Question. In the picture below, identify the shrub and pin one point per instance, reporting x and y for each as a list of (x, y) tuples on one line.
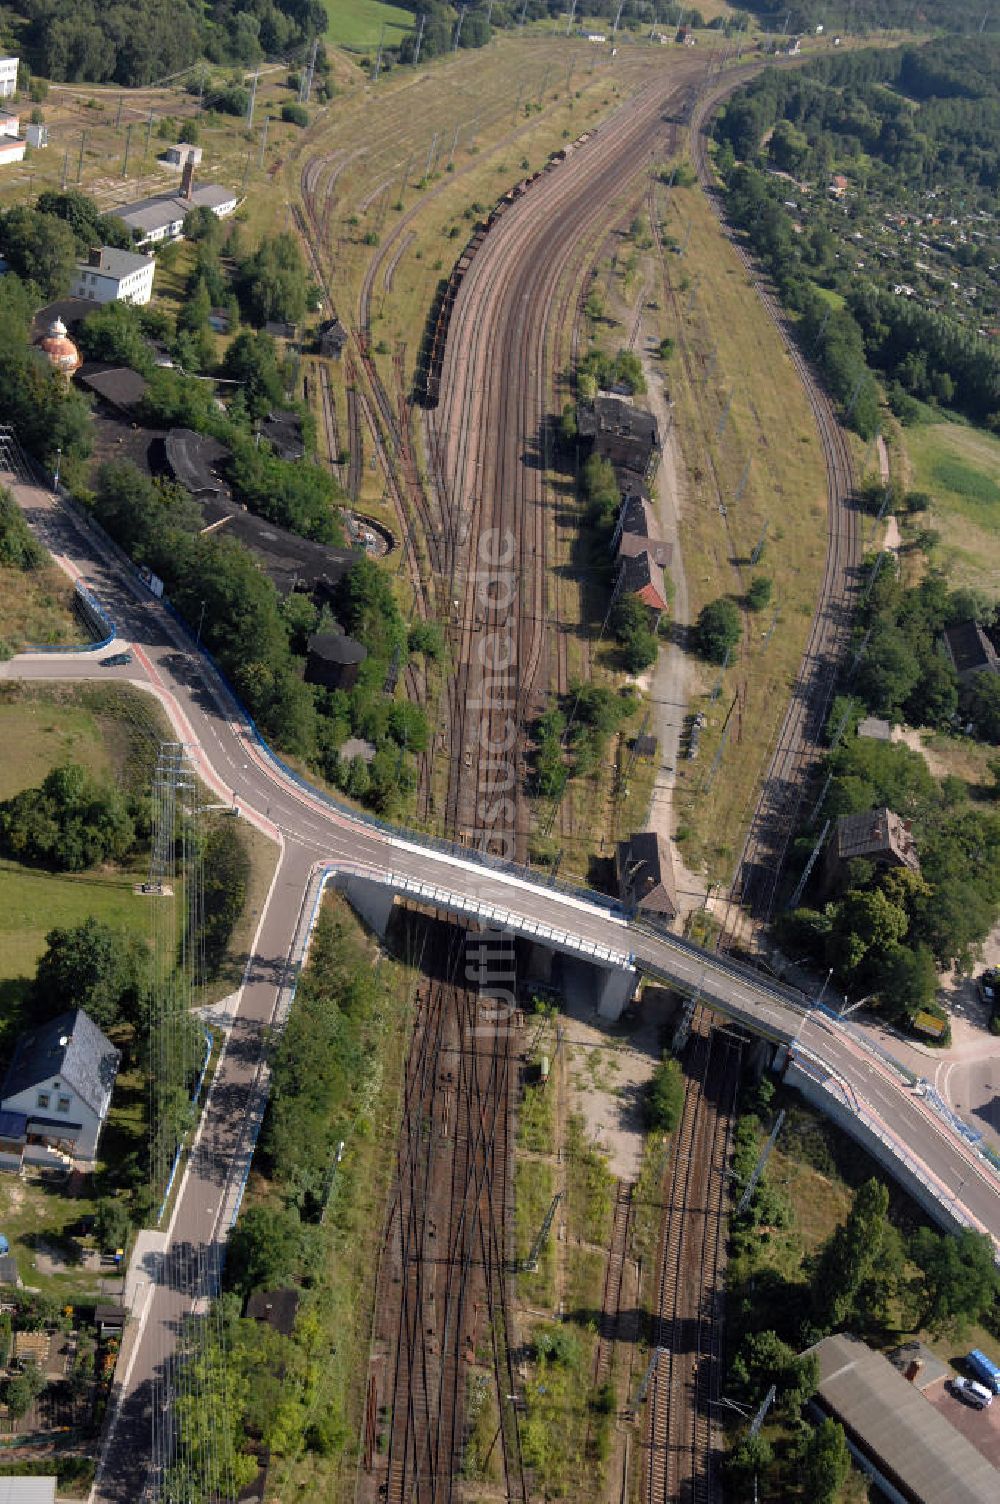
[(666, 1096), (759, 594), (295, 114), (718, 629)]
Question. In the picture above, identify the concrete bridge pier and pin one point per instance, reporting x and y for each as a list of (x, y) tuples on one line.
[(372, 901), (615, 989)]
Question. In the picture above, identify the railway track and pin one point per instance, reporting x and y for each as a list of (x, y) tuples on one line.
[(679, 1432), (799, 741), (614, 1283), (490, 430), (443, 1301)]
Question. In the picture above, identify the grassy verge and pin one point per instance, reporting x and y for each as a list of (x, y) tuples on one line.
[(534, 1187), (36, 609), (959, 467), (741, 421)]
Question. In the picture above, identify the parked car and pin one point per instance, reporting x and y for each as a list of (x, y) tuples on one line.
[(116, 660), (971, 1393)]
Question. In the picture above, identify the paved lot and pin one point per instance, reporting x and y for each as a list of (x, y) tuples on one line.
[(981, 1427)]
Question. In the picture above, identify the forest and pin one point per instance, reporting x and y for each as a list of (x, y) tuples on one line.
[(140, 42), (872, 177)]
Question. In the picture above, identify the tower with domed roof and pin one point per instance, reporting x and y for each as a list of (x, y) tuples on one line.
[(60, 350)]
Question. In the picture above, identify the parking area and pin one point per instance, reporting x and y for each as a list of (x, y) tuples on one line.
[(981, 1427)]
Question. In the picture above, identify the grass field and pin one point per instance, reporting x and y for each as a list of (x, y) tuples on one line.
[(960, 468), (751, 461), (358, 23)]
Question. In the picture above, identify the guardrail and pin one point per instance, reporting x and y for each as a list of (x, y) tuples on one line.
[(95, 617)]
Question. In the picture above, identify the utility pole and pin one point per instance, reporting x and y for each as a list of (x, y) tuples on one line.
[(759, 545), (79, 165), (618, 17), (118, 117), (430, 154), (458, 28), (420, 37), (252, 100), (454, 144), (128, 143), (305, 86), (149, 133), (524, 11), (572, 17), (65, 166), (378, 58), (517, 102)]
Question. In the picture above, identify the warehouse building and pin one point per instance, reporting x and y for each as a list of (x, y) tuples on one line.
[(901, 1440)]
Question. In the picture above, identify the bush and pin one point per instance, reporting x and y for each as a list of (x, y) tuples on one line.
[(718, 629), (295, 114), (759, 594), (18, 548), (71, 822), (666, 1096)]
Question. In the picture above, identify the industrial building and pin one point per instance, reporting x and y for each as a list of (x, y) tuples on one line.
[(162, 216), (909, 1447), (113, 276)]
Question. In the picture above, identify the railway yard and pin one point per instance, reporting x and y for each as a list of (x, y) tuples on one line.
[(457, 431)]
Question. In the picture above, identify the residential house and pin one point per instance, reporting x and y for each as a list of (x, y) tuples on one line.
[(644, 871), (8, 76), (876, 835), (625, 435), (60, 1082), (969, 650), (112, 276)]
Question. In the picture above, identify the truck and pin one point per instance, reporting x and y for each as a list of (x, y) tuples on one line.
[(984, 1369)]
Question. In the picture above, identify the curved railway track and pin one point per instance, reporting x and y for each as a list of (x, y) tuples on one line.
[(799, 741)]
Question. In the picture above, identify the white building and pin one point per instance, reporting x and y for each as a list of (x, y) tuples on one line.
[(176, 156), (58, 1087), (11, 150), (8, 76), (38, 136), (10, 120), (112, 276), (162, 217)]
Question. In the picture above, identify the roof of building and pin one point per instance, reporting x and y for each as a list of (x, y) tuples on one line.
[(25, 1490), (643, 577), (115, 263), (148, 214), (637, 515), (72, 1047), (193, 457), (875, 729), (969, 649), (293, 563), (110, 1315), (333, 329), (119, 385), (645, 745), (645, 872), (608, 414), (631, 545), (283, 431), (875, 833), (276, 1307), (279, 329), (356, 746), (336, 647), (909, 1439)]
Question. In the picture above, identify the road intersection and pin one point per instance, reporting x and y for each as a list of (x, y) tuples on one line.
[(317, 838)]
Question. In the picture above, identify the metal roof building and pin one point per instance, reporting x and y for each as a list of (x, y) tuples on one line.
[(914, 1452)]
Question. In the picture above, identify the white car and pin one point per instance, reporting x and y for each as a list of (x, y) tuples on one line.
[(976, 1395)]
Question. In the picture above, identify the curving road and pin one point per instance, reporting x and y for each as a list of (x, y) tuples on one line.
[(312, 831)]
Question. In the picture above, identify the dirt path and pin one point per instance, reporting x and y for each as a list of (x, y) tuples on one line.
[(669, 683)]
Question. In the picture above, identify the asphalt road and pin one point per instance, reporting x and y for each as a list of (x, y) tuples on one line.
[(310, 831)]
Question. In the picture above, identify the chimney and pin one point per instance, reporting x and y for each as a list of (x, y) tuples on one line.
[(913, 1370), (187, 177), (94, 256)]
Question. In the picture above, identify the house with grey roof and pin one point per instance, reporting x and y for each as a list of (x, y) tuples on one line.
[(60, 1082), (969, 650), (110, 275), (879, 836)]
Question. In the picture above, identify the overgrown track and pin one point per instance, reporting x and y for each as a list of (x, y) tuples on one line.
[(489, 432), (799, 742), (442, 1297), (679, 1435)]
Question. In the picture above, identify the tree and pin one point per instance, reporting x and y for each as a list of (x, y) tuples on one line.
[(759, 594), (630, 624), (272, 281), (666, 1096), (718, 629), (960, 1279), (40, 248), (865, 921), (825, 1462), (227, 873), (71, 822), (94, 967), (18, 547), (860, 1265), (23, 1389), (253, 360), (982, 703), (265, 1249), (111, 1224)]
